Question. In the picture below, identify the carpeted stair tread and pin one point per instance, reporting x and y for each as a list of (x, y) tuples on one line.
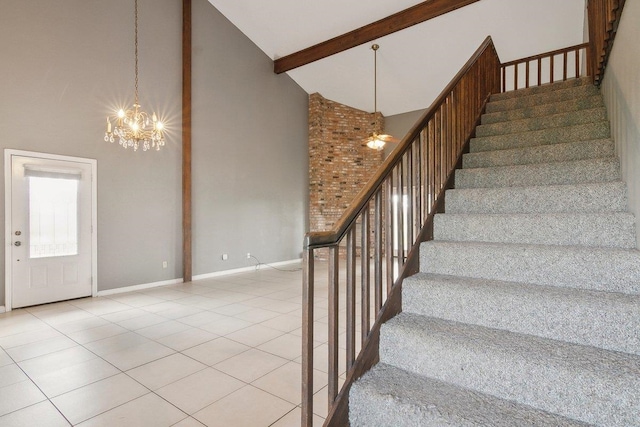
[(602, 269), (586, 383), (548, 97), (580, 150), (602, 319), (558, 173), (574, 104), (544, 88), (570, 118), (616, 230), (594, 197), (390, 397), (581, 132)]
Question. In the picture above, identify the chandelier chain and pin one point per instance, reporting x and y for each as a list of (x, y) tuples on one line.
[(136, 48), (375, 48)]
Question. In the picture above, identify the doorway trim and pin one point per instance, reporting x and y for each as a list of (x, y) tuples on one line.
[(8, 153)]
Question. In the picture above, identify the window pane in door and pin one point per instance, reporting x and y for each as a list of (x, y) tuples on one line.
[(53, 217)]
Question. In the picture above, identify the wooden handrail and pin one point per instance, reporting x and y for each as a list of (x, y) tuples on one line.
[(392, 214), (547, 54), (327, 238)]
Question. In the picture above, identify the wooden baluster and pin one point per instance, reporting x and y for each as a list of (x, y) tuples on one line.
[(410, 199), (417, 167), (420, 181), (332, 388), (400, 214), (364, 272), (455, 118), (377, 219), (432, 163), (564, 66), (307, 337), (576, 54), (442, 150), (453, 155), (446, 137), (539, 71), (527, 74), (552, 60), (351, 297), (438, 157), (515, 77), (389, 237)]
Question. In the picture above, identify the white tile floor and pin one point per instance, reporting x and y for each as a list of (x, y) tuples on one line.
[(216, 352)]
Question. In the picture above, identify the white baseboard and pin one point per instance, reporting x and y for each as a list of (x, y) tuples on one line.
[(245, 269), (2, 309), (139, 287), (144, 286)]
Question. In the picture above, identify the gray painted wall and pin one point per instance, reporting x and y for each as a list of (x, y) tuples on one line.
[(65, 65), (621, 90), (250, 186), (398, 125)]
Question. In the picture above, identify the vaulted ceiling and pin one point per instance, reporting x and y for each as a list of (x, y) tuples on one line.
[(414, 64)]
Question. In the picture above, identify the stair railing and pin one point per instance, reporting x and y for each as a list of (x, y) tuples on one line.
[(558, 65), (604, 17), (378, 236), (586, 59)]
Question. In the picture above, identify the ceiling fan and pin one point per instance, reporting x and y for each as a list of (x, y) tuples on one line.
[(376, 141)]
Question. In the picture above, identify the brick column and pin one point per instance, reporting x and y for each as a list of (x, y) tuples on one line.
[(340, 163)]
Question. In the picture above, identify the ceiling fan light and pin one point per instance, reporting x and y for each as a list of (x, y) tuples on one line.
[(376, 143)]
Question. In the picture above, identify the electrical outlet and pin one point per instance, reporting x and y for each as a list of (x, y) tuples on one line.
[(225, 257), (165, 264), (248, 255)]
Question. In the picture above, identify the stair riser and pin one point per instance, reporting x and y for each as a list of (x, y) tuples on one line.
[(541, 154), (555, 121), (608, 197), (577, 104), (576, 172), (540, 99), (615, 230), (613, 270), (608, 321), (583, 132), (545, 88), (591, 396)]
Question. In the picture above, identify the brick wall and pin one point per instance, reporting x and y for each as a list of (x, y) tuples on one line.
[(340, 163)]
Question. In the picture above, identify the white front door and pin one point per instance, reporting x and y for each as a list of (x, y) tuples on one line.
[(50, 225)]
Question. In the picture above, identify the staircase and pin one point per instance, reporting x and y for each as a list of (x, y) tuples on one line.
[(526, 310)]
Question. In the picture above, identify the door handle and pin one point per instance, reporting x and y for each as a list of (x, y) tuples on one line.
[(17, 243)]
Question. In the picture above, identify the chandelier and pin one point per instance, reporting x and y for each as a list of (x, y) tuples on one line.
[(134, 127), (375, 141)]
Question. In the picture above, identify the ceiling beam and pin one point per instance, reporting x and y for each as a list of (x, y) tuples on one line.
[(396, 22)]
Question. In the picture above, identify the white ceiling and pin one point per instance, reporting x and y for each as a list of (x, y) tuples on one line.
[(415, 64)]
